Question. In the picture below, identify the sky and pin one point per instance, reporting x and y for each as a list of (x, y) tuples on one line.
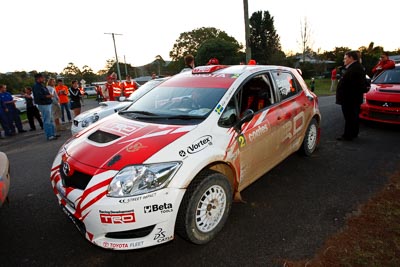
[(46, 35)]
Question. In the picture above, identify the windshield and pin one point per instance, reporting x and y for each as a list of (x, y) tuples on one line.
[(389, 77), (173, 105), (142, 90)]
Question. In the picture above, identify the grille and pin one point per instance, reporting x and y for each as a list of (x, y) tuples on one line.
[(381, 104), (389, 91), (141, 232), (77, 180), (385, 116), (81, 227)]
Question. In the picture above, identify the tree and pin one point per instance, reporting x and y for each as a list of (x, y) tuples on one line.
[(88, 75), (370, 56), (264, 41), (71, 72), (306, 38), (189, 42), (226, 52)]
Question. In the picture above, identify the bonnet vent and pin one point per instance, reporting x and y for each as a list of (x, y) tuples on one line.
[(102, 137)]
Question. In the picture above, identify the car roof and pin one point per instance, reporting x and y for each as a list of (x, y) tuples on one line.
[(215, 76)]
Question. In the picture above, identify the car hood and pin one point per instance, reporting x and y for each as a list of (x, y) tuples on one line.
[(384, 92), (103, 106), (116, 143)]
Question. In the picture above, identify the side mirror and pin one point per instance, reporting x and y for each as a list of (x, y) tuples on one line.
[(122, 98), (247, 116)]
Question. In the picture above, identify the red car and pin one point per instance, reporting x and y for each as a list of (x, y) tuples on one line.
[(4, 178), (382, 102)]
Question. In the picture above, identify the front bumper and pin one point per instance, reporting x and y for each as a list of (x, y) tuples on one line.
[(380, 114), (76, 127), (118, 223)]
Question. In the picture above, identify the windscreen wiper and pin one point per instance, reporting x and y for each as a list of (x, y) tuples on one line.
[(174, 117), (137, 112)]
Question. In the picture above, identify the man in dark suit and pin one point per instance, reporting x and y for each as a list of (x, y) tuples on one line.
[(349, 94)]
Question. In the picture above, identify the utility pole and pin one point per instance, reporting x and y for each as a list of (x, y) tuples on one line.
[(126, 68), (116, 56), (247, 30)]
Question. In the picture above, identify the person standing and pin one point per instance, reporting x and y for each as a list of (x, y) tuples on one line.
[(111, 87), (82, 90), (62, 92), (128, 87), (32, 110), (43, 99), (4, 120), (99, 94), (384, 64), (108, 92), (312, 85), (12, 113), (75, 95), (117, 90), (333, 80), (189, 63), (349, 94), (55, 106)]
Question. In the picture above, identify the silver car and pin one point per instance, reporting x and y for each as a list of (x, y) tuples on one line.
[(107, 108), (20, 103)]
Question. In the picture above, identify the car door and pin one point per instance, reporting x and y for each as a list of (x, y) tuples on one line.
[(292, 105), (256, 139)]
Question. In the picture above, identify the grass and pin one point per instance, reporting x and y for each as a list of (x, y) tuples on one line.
[(23, 116), (371, 236), (322, 86)]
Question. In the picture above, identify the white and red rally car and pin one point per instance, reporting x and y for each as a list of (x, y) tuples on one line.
[(4, 178), (174, 160)]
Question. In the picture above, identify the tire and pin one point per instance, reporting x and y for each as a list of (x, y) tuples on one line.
[(310, 139), (204, 208)]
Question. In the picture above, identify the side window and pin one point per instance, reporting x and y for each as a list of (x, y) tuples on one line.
[(257, 94), (286, 84)]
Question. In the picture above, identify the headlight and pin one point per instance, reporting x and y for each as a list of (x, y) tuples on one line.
[(141, 179), (86, 122)]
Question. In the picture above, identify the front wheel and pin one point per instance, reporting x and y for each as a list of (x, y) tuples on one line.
[(310, 139), (204, 208)]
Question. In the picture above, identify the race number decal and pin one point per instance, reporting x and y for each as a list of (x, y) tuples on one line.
[(241, 140)]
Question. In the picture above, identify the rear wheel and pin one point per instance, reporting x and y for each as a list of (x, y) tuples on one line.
[(204, 208), (310, 139)]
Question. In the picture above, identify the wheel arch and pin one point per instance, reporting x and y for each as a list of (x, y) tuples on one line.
[(229, 172)]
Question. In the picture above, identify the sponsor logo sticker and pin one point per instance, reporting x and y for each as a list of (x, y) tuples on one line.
[(163, 208), (160, 236), (66, 168), (117, 217), (135, 147), (114, 245)]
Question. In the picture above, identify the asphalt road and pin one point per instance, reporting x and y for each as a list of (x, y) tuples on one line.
[(287, 215)]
